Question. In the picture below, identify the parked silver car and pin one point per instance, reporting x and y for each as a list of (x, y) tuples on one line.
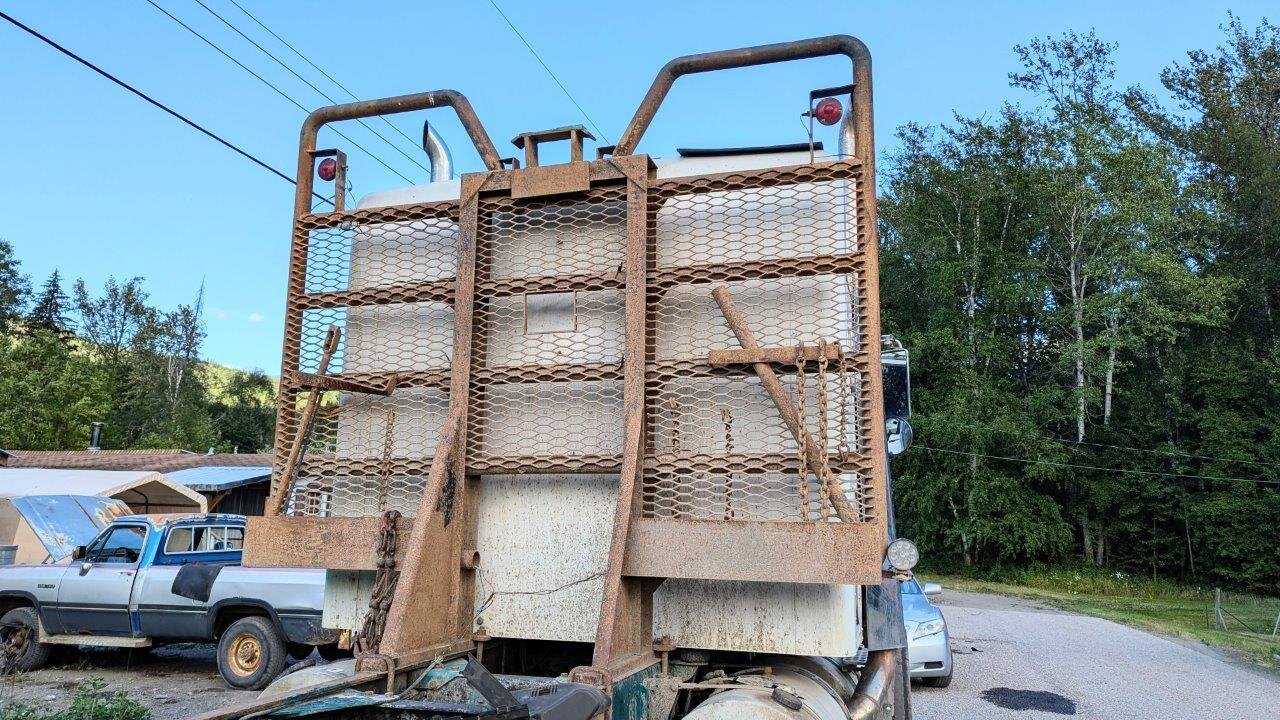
[(929, 646)]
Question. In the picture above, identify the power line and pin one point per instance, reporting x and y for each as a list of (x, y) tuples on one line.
[(1159, 453), (268, 83), (309, 84), (1054, 463), (318, 69), (544, 65), (188, 121)]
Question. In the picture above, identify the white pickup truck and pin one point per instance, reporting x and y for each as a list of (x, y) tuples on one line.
[(149, 580)]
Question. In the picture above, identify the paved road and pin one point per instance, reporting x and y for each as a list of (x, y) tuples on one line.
[(1018, 660)]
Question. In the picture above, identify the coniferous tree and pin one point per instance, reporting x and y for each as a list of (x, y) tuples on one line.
[(51, 306)]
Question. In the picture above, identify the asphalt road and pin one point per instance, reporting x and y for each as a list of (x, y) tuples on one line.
[(1020, 660)]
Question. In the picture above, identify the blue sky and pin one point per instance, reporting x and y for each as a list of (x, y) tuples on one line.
[(97, 183)]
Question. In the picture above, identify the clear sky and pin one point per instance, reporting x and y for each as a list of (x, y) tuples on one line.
[(97, 183)]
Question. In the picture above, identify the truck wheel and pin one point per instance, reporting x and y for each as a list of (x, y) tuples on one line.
[(15, 624), (251, 653), (299, 651), (332, 652)]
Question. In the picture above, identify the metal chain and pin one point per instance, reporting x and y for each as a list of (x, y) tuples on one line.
[(824, 430), (800, 443), (843, 379), (384, 586), (726, 417)]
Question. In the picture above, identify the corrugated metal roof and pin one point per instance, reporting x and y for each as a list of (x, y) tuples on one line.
[(163, 461), (64, 521), (17, 482), (217, 479)]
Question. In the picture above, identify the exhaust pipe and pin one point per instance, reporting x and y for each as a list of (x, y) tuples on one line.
[(437, 154), (95, 436), (874, 684)]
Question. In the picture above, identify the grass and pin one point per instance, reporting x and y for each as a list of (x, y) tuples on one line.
[(89, 703), (1166, 608)]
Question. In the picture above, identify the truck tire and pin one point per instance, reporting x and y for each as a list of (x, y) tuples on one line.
[(251, 653), (36, 653), (937, 682), (299, 651), (332, 653)]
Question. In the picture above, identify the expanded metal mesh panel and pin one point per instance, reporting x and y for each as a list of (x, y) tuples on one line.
[(550, 330), (784, 244), (384, 279)]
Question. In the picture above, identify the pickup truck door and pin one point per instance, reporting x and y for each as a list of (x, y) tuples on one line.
[(93, 597)]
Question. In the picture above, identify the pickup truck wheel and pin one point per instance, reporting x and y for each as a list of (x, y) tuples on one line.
[(19, 633), (251, 653)]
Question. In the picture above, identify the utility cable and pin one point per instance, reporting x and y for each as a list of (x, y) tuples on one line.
[(1054, 463), (318, 69), (544, 65), (188, 121), (309, 84), (268, 83)]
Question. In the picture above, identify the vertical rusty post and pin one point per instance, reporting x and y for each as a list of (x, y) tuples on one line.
[(615, 620), (421, 589)]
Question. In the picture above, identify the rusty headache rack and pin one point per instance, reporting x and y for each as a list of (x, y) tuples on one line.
[(709, 343)]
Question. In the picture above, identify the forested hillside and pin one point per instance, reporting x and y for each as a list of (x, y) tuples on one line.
[(1088, 281), (69, 359)]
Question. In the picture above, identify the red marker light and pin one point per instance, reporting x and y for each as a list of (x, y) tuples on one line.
[(828, 111), (328, 168)]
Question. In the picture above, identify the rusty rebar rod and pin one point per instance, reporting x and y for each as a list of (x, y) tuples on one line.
[(778, 394), (331, 339)]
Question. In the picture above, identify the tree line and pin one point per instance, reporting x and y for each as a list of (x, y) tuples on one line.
[(67, 360), (1088, 282)]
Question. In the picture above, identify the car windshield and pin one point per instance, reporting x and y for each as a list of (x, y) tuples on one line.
[(911, 587)]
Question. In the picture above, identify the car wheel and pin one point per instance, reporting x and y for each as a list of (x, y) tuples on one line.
[(251, 653), (18, 628), (937, 682), (299, 651), (332, 652)]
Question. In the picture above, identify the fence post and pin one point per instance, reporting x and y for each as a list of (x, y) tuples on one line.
[(1276, 627), (1218, 619)]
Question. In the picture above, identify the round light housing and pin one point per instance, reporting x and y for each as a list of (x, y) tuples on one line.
[(828, 111), (902, 555), (328, 169)]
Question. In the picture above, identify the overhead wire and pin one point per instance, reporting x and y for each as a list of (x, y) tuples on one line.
[(550, 72), (309, 84), (269, 84), (317, 68), (1078, 466), (152, 101)]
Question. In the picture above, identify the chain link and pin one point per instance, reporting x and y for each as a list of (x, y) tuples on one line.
[(384, 586)]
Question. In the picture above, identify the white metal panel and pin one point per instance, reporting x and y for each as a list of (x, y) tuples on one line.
[(543, 542), (786, 618), (346, 598)]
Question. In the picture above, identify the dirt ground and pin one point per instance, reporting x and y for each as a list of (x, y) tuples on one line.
[(176, 681)]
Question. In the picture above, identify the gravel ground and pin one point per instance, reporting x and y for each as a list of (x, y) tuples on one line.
[(177, 681), (1019, 659), (1014, 659)]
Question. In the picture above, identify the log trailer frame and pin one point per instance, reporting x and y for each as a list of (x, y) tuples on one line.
[(708, 491)]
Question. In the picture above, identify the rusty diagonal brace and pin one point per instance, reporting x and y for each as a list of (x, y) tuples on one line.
[(786, 408), (331, 339)]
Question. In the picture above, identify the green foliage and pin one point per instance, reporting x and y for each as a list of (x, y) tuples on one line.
[(89, 703), (14, 287), (1088, 282), (133, 366)]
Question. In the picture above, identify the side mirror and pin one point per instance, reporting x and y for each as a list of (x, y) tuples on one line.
[(932, 588), (79, 552), (898, 434)]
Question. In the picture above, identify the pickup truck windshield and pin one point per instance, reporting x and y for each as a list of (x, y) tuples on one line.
[(120, 544)]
